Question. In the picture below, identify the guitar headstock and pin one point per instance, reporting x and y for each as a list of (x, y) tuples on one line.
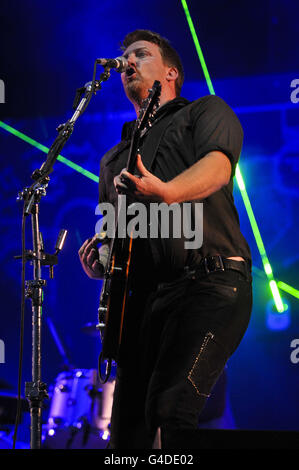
[(149, 107)]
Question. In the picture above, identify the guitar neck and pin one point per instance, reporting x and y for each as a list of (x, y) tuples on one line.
[(133, 153), (146, 114)]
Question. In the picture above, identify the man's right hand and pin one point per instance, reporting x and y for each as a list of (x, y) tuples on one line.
[(90, 260)]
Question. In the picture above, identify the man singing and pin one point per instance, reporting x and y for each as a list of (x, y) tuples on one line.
[(189, 307)]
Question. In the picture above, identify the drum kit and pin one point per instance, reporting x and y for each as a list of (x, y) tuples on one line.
[(80, 408)]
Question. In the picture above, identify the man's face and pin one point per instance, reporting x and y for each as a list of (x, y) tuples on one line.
[(145, 65)]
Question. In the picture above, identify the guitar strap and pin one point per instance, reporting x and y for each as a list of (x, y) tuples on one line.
[(149, 150), (153, 138)]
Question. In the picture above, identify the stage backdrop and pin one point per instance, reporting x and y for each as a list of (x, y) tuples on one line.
[(48, 50)]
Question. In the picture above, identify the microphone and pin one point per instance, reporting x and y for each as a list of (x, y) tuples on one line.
[(119, 63)]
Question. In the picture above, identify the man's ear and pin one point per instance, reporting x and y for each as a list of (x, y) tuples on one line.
[(172, 74)]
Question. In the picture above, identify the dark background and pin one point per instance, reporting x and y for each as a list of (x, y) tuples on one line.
[(47, 51)]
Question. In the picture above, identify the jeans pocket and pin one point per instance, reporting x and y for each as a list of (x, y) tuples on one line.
[(221, 295), (227, 291), (207, 366)]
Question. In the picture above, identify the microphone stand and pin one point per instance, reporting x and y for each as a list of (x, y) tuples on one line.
[(36, 390)]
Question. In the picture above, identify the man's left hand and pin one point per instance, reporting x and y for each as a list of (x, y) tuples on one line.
[(146, 187)]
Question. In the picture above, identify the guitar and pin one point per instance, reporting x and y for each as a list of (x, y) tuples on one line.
[(115, 289)]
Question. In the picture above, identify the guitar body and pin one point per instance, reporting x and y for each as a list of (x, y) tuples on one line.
[(116, 286), (114, 297)]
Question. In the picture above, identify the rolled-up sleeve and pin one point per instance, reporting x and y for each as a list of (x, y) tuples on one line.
[(216, 127)]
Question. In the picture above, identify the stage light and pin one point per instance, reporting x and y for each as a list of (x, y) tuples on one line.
[(277, 321)]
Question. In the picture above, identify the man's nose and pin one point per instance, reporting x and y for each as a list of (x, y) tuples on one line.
[(131, 60)]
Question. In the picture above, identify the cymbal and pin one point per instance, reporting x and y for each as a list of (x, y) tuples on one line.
[(91, 330)]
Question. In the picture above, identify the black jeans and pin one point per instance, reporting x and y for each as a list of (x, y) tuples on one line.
[(173, 353)]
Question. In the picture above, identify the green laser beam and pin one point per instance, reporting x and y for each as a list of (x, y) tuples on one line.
[(198, 48), (281, 285), (289, 289), (266, 264), (45, 149)]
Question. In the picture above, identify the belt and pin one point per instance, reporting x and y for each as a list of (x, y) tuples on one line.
[(207, 265), (211, 264)]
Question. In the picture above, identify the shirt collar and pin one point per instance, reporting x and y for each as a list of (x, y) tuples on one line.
[(171, 106)]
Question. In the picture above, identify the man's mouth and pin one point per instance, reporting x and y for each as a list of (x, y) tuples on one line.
[(130, 72)]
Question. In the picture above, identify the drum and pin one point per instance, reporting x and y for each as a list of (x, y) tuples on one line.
[(77, 396), (102, 420), (79, 404)]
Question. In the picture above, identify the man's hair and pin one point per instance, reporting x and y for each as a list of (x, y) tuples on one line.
[(169, 55)]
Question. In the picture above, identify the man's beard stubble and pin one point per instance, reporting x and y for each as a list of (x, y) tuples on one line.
[(135, 91)]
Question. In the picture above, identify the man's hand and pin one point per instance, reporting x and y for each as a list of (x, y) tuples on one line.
[(146, 187), (203, 178), (90, 260)]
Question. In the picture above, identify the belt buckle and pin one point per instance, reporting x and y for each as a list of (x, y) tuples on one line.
[(217, 268)]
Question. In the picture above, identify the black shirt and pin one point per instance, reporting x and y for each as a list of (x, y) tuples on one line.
[(195, 129)]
